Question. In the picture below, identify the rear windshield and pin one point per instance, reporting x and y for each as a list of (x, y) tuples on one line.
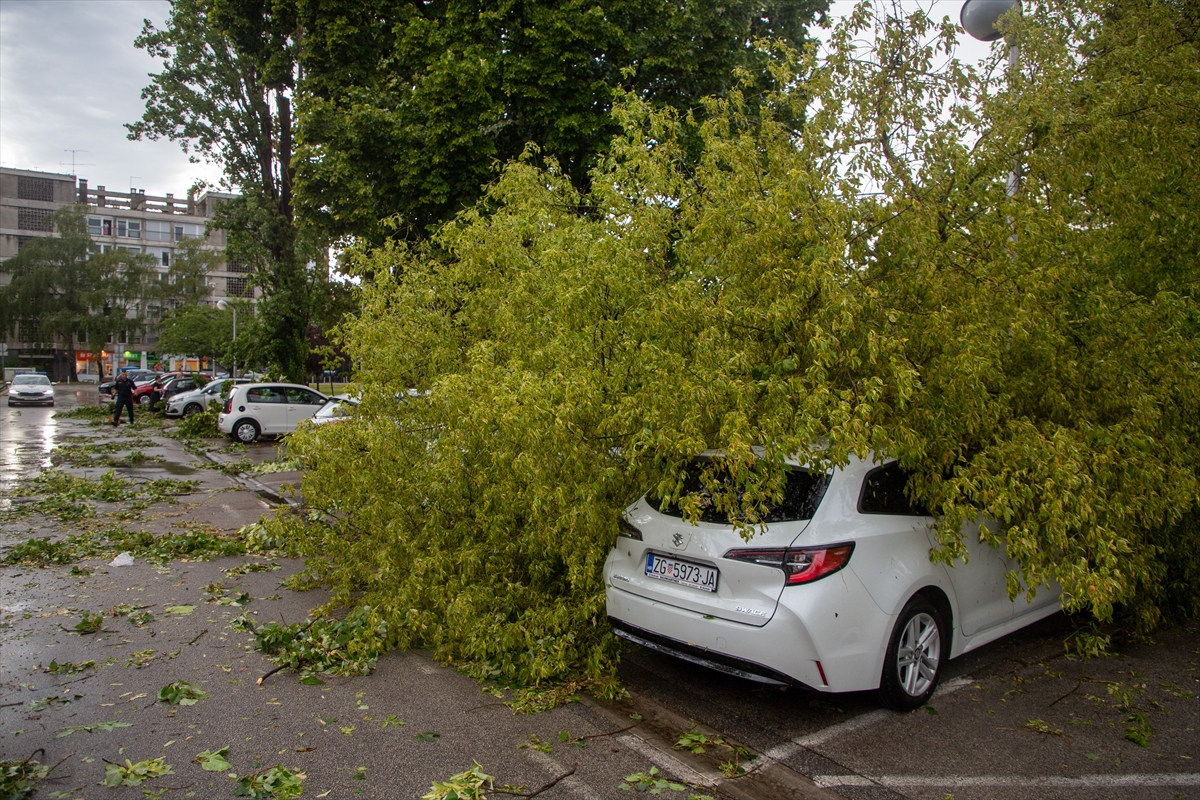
[(802, 493)]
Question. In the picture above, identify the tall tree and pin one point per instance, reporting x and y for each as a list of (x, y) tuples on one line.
[(225, 94), (408, 107)]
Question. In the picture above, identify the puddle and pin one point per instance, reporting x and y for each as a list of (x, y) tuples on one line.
[(157, 466)]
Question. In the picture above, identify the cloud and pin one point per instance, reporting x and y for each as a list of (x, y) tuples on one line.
[(70, 77)]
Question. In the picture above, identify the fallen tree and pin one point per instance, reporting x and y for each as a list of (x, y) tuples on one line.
[(864, 284)]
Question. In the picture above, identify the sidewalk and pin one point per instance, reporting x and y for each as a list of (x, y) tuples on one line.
[(387, 735)]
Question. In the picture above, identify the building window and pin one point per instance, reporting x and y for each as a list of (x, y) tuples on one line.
[(234, 265), (129, 228), (22, 241), (35, 219), (35, 189), (238, 287), (100, 226), (166, 258), (157, 231), (186, 230), (27, 331)]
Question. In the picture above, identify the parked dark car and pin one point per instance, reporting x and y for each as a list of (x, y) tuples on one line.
[(139, 376), (184, 383)]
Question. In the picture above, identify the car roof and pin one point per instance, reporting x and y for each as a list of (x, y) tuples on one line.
[(278, 385)]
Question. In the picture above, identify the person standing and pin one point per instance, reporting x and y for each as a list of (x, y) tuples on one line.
[(124, 394), (156, 393)]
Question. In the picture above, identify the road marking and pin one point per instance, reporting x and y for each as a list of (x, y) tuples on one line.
[(666, 761), (554, 769), (963, 781), (818, 738)]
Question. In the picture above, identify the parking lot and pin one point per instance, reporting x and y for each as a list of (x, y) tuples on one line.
[(1015, 719)]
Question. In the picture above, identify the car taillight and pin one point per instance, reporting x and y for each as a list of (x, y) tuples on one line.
[(799, 565), (228, 404), (624, 528)]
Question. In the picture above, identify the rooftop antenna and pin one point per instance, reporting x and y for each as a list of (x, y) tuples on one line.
[(73, 152)]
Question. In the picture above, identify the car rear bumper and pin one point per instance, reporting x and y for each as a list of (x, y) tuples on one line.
[(779, 652), (827, 635)]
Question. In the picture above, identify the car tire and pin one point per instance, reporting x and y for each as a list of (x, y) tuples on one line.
[(915, 653), (144, 400), (191, 408), (245, 430)]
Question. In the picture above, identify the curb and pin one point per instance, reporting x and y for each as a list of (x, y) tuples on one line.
[(258, 487)]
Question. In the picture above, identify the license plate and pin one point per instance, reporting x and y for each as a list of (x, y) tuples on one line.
[(684, 573)]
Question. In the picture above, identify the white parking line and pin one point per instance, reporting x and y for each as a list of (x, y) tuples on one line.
[(964, 781), (818, 738), (572, 784)]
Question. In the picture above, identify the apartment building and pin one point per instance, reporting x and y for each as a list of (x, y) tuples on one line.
[(133, 221)]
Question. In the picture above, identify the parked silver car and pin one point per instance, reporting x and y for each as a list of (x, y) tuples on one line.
[(193, 402)]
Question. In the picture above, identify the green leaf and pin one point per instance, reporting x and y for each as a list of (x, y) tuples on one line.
[(213, 760), (131, 774), (95, 726), (181, 693)]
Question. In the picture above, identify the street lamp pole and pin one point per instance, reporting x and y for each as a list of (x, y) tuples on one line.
[(221, 304), (978, 18)]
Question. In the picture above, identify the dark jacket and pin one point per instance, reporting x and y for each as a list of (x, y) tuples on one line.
[(124, 387)]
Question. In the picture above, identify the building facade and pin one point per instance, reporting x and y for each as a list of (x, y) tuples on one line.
[(132, 221)]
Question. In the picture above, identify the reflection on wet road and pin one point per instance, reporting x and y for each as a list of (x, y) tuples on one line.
[(29, 433)]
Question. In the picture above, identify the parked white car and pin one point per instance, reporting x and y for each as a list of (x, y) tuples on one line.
[(837, 594), (337, 408), (271, 409), (195, 401)]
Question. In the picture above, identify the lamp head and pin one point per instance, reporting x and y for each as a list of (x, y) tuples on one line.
[(979, 17), (221, 304)]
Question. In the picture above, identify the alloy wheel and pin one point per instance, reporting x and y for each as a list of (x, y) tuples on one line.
[(918, 654)]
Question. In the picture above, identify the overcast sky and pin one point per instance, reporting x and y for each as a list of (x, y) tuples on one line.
[(70, 78)]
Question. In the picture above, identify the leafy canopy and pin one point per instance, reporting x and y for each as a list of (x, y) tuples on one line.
[(865, 284), (406, 108)]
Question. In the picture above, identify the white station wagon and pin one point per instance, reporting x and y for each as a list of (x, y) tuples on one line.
[(837, 594), (267, 409)]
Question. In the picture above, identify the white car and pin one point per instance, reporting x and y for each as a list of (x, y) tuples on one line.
[(271, 409), (336, 409), (195, 401), (31, 390), (837, 594)]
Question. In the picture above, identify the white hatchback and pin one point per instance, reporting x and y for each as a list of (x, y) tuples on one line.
[(271, 409), (837, 594)]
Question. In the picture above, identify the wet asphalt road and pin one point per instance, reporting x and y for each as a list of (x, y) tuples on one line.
[(1015, 719)]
